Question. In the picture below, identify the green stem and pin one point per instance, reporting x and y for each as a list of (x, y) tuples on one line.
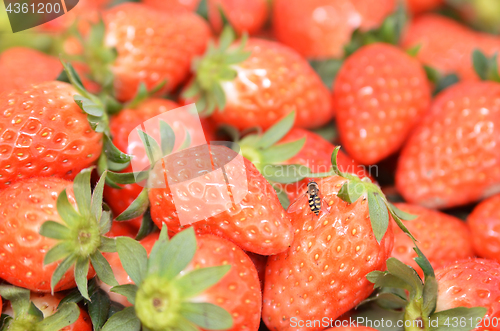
[(414, 320)]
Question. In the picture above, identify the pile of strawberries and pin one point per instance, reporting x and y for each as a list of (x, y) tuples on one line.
[(369, 133)]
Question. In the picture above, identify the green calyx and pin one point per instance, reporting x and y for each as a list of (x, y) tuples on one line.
[(419, 306), (215, 67), (163, 297), (27, 317), (486, 67), (81, 235)]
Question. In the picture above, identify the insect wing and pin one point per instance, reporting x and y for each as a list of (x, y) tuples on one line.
[(299, 203)]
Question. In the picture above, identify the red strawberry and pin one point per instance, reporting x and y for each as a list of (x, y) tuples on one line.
[(13, 64), (84, 12), (257, 224), (25, 206), (243, 15), (420, 6), (173, 5), (447, 45), (325, 25), (317, 155), (260, 82), (44, 133), (443, 239), (470, 283), (48, 306), (484, 223), (238, 292), (380, 93), (323, 273), (452, 156), (160, 48)]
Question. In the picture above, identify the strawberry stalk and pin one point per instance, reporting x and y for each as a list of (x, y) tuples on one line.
[(420, 304), (27, 317), (81, 238), (163, 298)]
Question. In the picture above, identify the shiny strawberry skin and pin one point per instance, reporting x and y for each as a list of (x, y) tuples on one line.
[(380, 93), (271, 83), (325, 25), (243, 15), (420, 6), (15, 60), (471, 283), (173, 5), (442, 238), (452, 158), (44, 133), (323, 274), (238, 292), (258, 223), (484, 223), (161, 48), (24, 207), (447, 45), (317, 155)]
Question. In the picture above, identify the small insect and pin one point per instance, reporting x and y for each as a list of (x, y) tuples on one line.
[(313, 197)]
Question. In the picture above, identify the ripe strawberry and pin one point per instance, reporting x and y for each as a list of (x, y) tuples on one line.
[(447, 45), (13, 64), (160, 49), (257, 223), (451, 158), (84, 12), (380, 93), (419, 6), (44, 133), (243, 15), (173, 5), (484, 224), (325, 25), (67, 317), (226, 278), (260, 82), (323, 272), (470, 283), (317, 155), (443, 238)]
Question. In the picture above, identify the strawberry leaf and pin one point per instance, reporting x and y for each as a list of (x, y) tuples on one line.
[(19, 298), (107, 245), (128, 290), (89, 106), (61, 270), (285, 174), (277, 131), (98, 308), (81, 271), (35, 312), (198, 280), (350, 192), (470, 315), (167, 136), (282, 152), (180, 251), (103, 269), (123, 320), (136, 208), (147, 226), (96, 199), (158, 252), (379, 216), (66, 211), (113, 153), (54, 230), (402, 214), (133, 257), (82, 191), (66, 315), (207, 315), (486, 68), (151, 147), (57, 252), (327, 70)]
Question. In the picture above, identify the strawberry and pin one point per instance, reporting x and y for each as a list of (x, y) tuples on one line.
[(257, 223), (325, 25), (211, 276), (259, 82), (64, 223), (470, 283), (447, 45), (419, 6), (259, 262), (13, 64), (83, 12), (44, 133), (443, 238), (447, 299), (323, 272), (380, 93), (173, 5), (40, 311), (160, 49), (484, 224), (451, 158), (243, 15)]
